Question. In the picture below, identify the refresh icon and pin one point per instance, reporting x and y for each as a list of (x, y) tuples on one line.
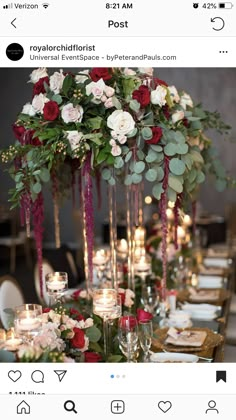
[(220, 23)]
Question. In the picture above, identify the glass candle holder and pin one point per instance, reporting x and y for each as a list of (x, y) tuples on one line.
[(107, 305), (56, 285), (28, 321)]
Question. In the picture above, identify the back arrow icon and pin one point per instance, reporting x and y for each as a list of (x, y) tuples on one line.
[(221, 27), (12, 23)]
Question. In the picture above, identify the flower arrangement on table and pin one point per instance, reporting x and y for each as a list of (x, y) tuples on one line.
[(119, 123)]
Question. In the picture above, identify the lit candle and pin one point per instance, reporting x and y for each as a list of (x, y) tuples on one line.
[(123, 245), (142, 268), (57, 282), (180, 233), (11, 343), (139, 236), (2, 335), (187, 221), (169, 214), (28, 323), (104, 301)]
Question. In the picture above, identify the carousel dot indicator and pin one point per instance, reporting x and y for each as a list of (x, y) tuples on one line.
[(112, 376)]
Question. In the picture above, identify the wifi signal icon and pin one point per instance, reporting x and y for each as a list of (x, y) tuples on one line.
[(45, 5)]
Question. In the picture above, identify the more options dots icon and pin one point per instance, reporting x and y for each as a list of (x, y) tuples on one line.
[(117, 407)]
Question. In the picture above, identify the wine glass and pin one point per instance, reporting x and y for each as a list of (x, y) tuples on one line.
[(150, 297), (145, 337), (128, 337)]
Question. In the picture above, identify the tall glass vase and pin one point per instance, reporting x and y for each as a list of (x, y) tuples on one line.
[(113, 233), (130, 226)]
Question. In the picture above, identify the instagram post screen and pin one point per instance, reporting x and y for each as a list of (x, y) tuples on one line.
[(117, 219)]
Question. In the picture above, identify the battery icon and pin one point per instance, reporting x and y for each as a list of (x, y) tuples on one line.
[(226, 5)]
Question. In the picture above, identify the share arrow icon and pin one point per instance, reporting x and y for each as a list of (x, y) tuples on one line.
[(60, 374)]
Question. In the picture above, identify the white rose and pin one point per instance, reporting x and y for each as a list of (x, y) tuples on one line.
[(56, 81), (115, 149), (74, 138), (174, 94), (122, 139), (79, 78), (146, 70), (28, 109), (186, 100), (83, 294), (97, 90), (38, 74), (158, 96), (177, 116), (108, 103), (129, 72), (71, 114), (121, 122), (109, 91), (88, 322), (38, 102)]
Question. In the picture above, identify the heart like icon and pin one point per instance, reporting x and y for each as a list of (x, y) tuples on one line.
[(14, 375), (164, 406)]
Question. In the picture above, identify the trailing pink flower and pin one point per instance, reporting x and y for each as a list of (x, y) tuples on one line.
[(88, 214), (176, 218), (163, 205)]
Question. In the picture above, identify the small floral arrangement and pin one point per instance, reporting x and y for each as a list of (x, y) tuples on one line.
[(118, 123), (65, 334)]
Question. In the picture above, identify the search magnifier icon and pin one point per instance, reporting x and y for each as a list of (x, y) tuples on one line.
[(69, 405)]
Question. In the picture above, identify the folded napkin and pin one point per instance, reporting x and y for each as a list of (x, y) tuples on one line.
[(216, 262), (219, 253), (200, 310), (200, 295), (185, 338), (209, 282)]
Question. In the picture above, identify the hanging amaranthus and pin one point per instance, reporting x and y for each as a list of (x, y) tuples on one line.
[(163, 205), (176, 218), (56, 210)]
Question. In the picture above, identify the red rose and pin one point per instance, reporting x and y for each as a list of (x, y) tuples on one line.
[(76, 314), (143, 315), (128, 322), (142, 95), (78, 341), (98, 73), (158, 82), (46, 310), (122, 295), (51, 111), (186, 122), (18, 131), (39, 86), (156, 135), (91, 357)]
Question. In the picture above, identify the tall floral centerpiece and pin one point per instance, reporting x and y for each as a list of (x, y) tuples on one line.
[(125, 125)]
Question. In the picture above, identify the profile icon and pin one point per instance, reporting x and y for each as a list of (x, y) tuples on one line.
[(14, 52), (212, 407)]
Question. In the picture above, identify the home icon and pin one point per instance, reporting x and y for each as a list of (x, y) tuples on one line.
[(23, 408)]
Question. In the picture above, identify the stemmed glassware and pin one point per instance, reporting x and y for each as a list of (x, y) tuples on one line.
[(150, 297), (145, 337), (56, 285), (128, 337)]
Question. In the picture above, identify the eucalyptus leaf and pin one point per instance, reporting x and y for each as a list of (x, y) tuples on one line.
[(37, 188), (151, 175), (172, 196), (128, 156), (196, 156), (182, 149), (147, 133), (160, 173), (175, 184), (134, 105), (57, 99), (44, 175), (151, 156), (93, 333), (119, 163), (111, 181), (94, 123), (128, 180), (116, 102), (140, 154), (157, 190), (132, 133), (177, 166), (192, 175), (188, 160), (136, 178), (156, 147), (179, 137), (139, 167), (170, 149), (200, 177), (106, 174)]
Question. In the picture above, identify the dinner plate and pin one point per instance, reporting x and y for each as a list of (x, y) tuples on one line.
[(10, 297), (173, 358)]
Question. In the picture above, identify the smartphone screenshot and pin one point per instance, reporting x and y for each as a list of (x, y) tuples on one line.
[(117, 210)]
